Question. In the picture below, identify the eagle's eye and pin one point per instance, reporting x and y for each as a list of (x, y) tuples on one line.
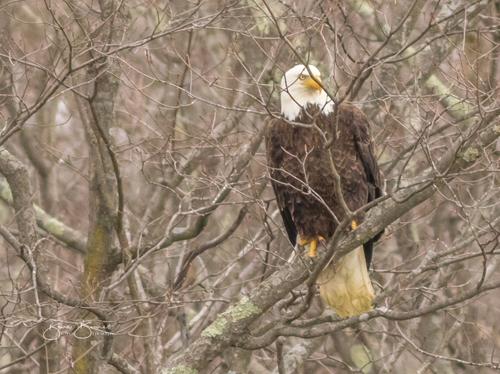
[(302, 77)]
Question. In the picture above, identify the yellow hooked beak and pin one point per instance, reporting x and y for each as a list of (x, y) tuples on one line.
[(311, 83)]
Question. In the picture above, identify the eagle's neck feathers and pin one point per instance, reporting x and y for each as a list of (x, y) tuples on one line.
[(294, 99)]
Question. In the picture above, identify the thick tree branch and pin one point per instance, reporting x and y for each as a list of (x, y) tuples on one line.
[(72, 238)]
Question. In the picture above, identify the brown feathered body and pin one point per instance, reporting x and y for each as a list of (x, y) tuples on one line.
[(304, 184)]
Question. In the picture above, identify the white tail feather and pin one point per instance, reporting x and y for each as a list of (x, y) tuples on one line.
[(346, 285)]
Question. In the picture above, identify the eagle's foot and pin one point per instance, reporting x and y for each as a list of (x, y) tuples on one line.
[(354, 225), (313, 246)]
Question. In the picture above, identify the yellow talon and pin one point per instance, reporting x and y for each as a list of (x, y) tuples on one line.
[(354, 225), (312, 249), (313, 246)]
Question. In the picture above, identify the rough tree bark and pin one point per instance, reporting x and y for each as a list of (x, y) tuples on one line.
[(92, 355)]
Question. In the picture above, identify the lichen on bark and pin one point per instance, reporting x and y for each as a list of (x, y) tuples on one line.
[(470, 154), (243, 309), (216, 328)]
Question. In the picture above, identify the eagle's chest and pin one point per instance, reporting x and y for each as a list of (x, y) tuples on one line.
[(315, 150), (307, 164), (306, 142)]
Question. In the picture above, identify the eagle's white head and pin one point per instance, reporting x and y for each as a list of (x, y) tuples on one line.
[(299, 89)]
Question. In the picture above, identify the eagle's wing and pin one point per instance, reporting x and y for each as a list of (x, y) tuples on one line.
[(274, 160), (285, 213), (366, 152)]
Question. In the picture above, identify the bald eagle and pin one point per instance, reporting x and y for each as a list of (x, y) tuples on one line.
[(304, 183)]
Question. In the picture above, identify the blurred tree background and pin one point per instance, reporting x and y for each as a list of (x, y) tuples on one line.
[(140, 233)]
